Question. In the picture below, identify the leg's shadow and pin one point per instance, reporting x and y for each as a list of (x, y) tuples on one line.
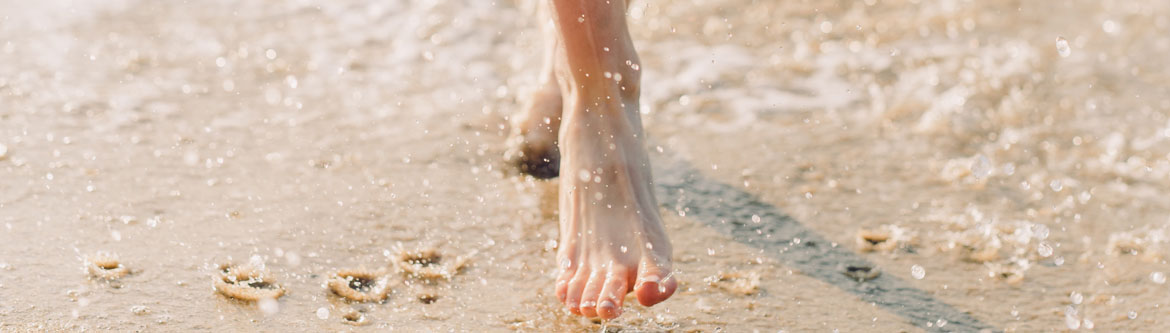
[(730, 211)]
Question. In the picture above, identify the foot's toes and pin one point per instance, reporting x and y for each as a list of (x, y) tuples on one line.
[(654, 285), (589, 295), (563, 285), (609, 304), (575, 288), (533, 146)]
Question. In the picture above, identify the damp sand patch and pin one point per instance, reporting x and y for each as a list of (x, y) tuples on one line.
[(430, 265)]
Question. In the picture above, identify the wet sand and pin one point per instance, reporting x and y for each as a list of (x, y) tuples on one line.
[(1026, 187)]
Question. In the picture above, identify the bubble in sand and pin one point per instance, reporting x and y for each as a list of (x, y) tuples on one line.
[(917, 272), (1158, 277), (1062, 47), (322, 313)]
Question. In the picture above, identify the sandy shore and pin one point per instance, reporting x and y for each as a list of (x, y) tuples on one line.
[(1008, 160)]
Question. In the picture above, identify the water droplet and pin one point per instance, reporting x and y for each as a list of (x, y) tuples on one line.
[(1056, 185), (1132, 315), (269, 306), (981, 167), (755, 218), (271, 54), (1070, 319), (1110, 27), (293, 259), (581, 19), (941, 322), (917, 272), (1076, 297), (1044, 250), (1062, 47), (220, 62), (710, 251), (624, 249), (322, 313), (1158, 277), (583, 175)]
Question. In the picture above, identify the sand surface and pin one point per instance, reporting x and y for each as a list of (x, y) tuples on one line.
[(1016, 153)]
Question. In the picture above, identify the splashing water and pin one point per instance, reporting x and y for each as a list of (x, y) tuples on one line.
[(1062, 47), (917, 272)]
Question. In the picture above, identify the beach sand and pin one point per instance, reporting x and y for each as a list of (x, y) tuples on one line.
[(1014, 154)]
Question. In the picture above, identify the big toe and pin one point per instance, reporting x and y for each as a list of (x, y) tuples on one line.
[(654, 286)]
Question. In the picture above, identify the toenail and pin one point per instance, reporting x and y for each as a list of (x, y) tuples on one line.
[(650, 279), (607, 305)]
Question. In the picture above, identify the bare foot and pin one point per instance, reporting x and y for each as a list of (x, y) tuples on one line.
[(611, 237), (532, 146)]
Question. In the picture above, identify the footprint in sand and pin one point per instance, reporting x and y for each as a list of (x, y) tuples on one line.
[(360, 285), (429, 265), (105, 266), (740, 282), (246, 283)]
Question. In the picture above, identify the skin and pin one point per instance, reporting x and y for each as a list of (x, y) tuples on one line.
[(584, 124)]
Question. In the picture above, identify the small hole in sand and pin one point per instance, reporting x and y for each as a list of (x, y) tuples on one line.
[(355, 318), (861, 273), (428, 298), (430, 266), (360, 285), (246, 283), (105, 266)]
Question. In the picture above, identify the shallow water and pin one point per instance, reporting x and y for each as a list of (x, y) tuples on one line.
[(1023, 178)]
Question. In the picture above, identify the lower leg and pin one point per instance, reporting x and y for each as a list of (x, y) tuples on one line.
[(611, 235)]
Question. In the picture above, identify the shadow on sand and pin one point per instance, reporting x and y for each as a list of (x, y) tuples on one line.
[(730, 211)]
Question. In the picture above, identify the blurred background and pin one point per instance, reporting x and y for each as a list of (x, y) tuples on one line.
[(1013, 154)]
